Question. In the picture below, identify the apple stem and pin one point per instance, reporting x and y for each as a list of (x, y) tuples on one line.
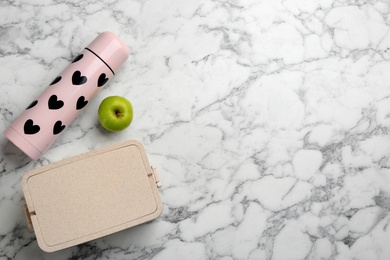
[(118, 113)]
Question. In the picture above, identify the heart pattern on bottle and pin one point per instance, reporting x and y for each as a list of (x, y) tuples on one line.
[(54, 103), (79, 57), (81, 103), (33, 104), (29, 127), (56, 80), (78, 79), (102, 80), (58, 127)]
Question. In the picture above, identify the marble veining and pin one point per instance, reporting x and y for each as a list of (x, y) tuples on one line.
[(268, 122)]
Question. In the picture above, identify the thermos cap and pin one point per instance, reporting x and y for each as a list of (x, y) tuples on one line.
[(109, 48)]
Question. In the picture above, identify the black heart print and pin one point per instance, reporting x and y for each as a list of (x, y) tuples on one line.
[(81, 102), (79, 57), (30, 128), (56, 80), (33, 104), (58, 127), (77, 79), (102, 80), (54, 103)]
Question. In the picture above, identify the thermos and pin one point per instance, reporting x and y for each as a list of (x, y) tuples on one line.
[(47, 116)]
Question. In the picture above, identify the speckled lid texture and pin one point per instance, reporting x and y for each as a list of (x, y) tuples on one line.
[(91, 195)]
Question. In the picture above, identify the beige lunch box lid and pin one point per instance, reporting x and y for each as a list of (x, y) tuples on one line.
[(91, 195)]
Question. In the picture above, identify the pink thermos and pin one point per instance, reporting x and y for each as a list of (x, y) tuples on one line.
[(60, 103)]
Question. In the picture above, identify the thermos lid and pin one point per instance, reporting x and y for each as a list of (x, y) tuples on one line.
[(110, 49)]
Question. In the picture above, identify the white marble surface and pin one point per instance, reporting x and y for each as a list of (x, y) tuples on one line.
[(267, 120)]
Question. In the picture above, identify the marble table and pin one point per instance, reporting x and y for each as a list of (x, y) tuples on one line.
[(268, 122)]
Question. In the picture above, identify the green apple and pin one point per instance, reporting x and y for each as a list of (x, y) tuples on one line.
[(115, 113)]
